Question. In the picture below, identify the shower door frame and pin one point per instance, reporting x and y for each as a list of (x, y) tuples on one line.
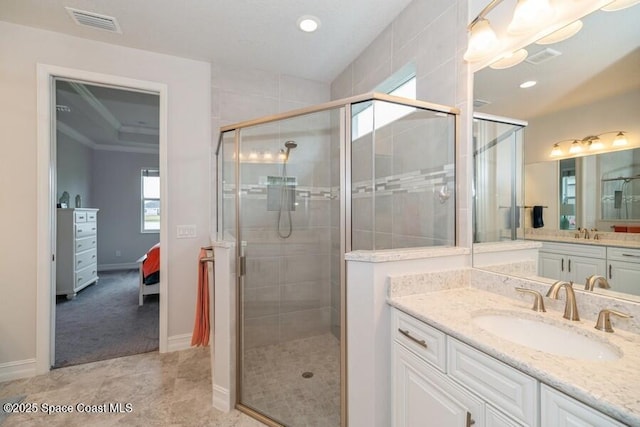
[(345, 120)]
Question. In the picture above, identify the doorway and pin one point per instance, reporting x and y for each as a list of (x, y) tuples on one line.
[(107, 217), (48, 199)]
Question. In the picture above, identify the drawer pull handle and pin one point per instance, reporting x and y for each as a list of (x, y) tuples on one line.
[(93, 256), (79, 230), (80, 245), (408, 335), (93, 229), (631, 255), (79, 261), (470, 421)]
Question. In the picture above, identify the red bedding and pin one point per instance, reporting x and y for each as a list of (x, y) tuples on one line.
[(152, 263)]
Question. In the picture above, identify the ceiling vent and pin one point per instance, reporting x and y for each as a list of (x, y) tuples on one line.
[(94, 20), (478, 103), (543, 56)]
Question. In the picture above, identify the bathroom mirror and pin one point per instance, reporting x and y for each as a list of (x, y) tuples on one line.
[(587, 85)]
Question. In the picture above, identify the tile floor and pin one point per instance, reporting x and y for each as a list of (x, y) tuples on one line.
[(171, 389), (276, 381)]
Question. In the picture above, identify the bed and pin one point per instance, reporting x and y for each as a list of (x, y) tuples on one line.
[(149, 268)]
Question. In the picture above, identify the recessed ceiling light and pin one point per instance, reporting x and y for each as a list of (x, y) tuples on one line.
[(529, 83), (308, 23)]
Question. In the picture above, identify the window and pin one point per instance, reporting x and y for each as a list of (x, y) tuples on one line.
[(385, 113), (150, 206)]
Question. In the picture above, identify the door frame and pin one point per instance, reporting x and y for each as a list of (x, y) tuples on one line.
[(46, 200)]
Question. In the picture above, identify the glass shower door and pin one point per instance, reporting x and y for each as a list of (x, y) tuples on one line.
[(289, 293), (498, 185)]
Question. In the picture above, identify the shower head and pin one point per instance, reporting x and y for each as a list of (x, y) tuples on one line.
[(289, 145)]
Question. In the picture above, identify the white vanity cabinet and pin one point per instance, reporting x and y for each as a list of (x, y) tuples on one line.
[(439, 381), (560, 410), (623, 270), (571, 262), (423, 392), (76, 250)]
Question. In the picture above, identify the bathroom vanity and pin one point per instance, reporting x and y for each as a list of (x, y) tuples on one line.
[(448, 369)]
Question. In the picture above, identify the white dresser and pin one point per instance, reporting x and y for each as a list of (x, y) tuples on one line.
[(76, 250)]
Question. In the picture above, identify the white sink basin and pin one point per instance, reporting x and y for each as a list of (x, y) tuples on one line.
[(542, 336)]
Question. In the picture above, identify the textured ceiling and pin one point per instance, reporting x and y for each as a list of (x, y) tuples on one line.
[(258, 34)]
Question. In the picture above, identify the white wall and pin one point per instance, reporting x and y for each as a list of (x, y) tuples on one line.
[(73, 170), (116, 192), (189, 136)]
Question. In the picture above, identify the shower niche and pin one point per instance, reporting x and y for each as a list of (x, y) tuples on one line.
[(295, 192)]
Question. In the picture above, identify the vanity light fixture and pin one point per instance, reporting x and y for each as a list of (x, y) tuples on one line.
[(308, 23), (575, 147), (510, 59), (620, 140), (619, 5), (562, 34), (528, 84), (528, 16), (593, 142)]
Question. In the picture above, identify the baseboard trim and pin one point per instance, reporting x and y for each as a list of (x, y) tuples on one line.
[(17, 370), (221, 399), (179, 342), (122, 266)]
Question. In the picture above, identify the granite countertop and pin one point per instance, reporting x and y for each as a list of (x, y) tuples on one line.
[(612, 387), (600, 242)]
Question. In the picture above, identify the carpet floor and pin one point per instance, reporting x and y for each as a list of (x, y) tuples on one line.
[(104, 321)]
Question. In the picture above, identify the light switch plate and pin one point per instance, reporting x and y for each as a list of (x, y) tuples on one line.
[(186, 232)]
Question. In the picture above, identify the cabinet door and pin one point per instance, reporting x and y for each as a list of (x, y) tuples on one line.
[(579, 268), (624, 277), (552, 265), (496, 418), (560, 410), (424, 397)]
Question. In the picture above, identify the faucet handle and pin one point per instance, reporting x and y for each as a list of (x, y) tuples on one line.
[(538, 302), (604, 322)]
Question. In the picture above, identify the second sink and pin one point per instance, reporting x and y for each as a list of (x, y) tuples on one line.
[(542, 336)]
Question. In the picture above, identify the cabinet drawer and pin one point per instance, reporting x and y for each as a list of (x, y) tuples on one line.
[(86, 258), (623, 254), (425, 341), (92, 216), (86, 229), (86, 275), (86, 243), (512, 391), (80, 216), (560, 410), (585, 250)]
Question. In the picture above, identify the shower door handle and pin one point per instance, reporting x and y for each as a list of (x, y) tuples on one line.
[(243, 265)]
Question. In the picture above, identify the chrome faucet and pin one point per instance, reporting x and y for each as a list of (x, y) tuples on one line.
[(593, 279), (570, 307)]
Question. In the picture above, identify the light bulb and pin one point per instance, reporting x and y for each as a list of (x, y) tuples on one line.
[(575, 148), (620, 140), (556, 151), (529, 15), (482, 41)]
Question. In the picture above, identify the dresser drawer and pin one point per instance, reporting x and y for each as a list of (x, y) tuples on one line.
[(80, 216), (86, 243), (585, 250), (422, 339), (86, 258), (86, 229), (86, 275), (92, 216), (623, 254), (512, 391)]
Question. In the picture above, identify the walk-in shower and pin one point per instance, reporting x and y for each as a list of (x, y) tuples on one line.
[(295, 192)]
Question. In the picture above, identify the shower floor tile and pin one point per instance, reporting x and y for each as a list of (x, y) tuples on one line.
[(273, 381)]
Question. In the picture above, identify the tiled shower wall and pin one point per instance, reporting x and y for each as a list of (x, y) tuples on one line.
[(405, 196)]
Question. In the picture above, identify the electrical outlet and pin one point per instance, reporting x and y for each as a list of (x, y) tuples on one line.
[(118, 253), (186, 232)]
